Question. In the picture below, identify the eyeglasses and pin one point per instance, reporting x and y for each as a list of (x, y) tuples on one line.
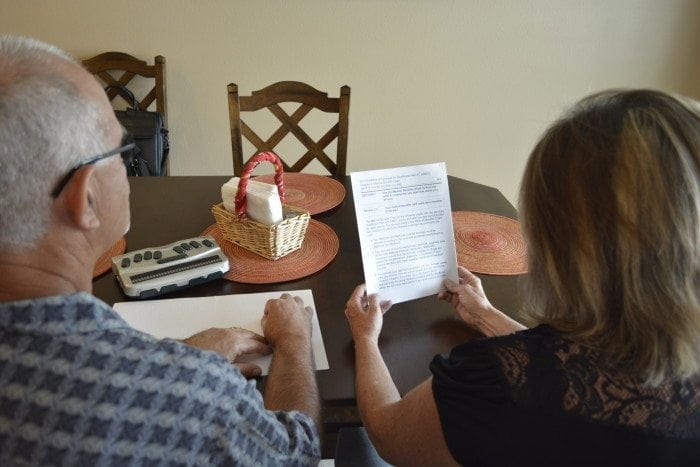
[(124, 150)]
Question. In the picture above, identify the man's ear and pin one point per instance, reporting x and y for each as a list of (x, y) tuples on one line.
[(80, 199)]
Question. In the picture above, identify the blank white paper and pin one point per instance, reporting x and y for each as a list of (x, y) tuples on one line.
[(179, 318), (404, 220)]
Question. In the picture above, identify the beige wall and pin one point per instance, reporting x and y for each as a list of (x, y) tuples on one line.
[(472, 83)]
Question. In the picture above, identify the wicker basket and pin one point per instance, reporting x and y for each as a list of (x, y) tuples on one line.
[(270, 241)]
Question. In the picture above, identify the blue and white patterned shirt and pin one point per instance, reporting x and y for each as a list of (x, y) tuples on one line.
[(79, 386)]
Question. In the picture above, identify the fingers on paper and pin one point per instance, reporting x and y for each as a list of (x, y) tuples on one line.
[(247, 334), (268, 305), (446, 294), (385, 305), (309, 311), (299, 301), (467, 277), (249, 370), (285, 296), (253, 346), (357, 299), (451, 286), (374, 303)]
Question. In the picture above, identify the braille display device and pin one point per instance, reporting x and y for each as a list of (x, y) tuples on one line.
[(153, 271)]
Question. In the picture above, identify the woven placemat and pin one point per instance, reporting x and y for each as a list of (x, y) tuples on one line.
[(489, 244), (318, 250), (311, 192), (104, 263)]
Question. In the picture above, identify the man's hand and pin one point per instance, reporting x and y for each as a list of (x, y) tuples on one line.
[(291, 384), (232, 343), (286, 319)]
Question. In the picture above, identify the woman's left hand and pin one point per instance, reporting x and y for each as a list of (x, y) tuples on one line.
[(365, 314)]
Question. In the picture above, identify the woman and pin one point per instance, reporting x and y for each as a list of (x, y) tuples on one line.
[(609, 373)]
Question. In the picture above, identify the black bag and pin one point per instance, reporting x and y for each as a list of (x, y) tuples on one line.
[(146, 129)]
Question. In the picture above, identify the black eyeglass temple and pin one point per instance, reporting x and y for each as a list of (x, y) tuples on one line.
[(64, 181)]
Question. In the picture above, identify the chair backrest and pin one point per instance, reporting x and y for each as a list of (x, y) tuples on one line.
[(101, 66), (309, 98)]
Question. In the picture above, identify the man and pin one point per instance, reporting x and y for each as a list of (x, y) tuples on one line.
[(77, 384)]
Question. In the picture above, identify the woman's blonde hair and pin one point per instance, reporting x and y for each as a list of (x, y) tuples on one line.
[(610, 203)]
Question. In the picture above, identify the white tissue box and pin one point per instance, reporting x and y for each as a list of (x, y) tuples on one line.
[(262, 200)]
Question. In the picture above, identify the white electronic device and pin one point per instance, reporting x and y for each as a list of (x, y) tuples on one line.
[(153, 271)]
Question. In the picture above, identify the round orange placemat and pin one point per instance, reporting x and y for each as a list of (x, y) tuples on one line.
[(104, 263), (318, 249), (489, 244), (314, 193)]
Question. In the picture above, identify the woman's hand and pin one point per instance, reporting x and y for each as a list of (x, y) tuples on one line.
[(467, 297), (470, 301), (365, 314)]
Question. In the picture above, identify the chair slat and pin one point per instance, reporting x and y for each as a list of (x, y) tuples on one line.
[(310, 98), (103, 63)]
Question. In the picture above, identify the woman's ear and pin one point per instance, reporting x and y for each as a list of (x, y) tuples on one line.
[(79, 199)]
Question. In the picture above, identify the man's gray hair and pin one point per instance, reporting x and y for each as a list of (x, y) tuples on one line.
[(47, 126)]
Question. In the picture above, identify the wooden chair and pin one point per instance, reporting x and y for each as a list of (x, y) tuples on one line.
[(309, 98), (127, 67), (101, 66)]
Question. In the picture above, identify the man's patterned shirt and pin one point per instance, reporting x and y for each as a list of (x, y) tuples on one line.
[(78, 385)]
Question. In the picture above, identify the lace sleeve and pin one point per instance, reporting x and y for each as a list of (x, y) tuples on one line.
[(548, 372)]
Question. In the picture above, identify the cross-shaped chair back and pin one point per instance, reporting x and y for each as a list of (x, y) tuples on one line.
[(309, 98), (101, 66)]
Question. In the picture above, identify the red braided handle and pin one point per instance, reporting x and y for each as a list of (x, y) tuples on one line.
[(245, 176)]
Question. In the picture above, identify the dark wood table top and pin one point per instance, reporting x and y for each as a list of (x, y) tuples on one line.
[(165, 209)]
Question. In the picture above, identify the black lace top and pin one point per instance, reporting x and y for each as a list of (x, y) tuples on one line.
[(535, 398)]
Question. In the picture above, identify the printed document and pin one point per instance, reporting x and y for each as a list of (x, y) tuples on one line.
[(179, 318), (404, 221)]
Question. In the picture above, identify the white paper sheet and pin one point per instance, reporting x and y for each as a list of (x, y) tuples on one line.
[(404, 221), (180, 318)]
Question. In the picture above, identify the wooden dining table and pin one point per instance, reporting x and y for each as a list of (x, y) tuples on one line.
[(166, 209)]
